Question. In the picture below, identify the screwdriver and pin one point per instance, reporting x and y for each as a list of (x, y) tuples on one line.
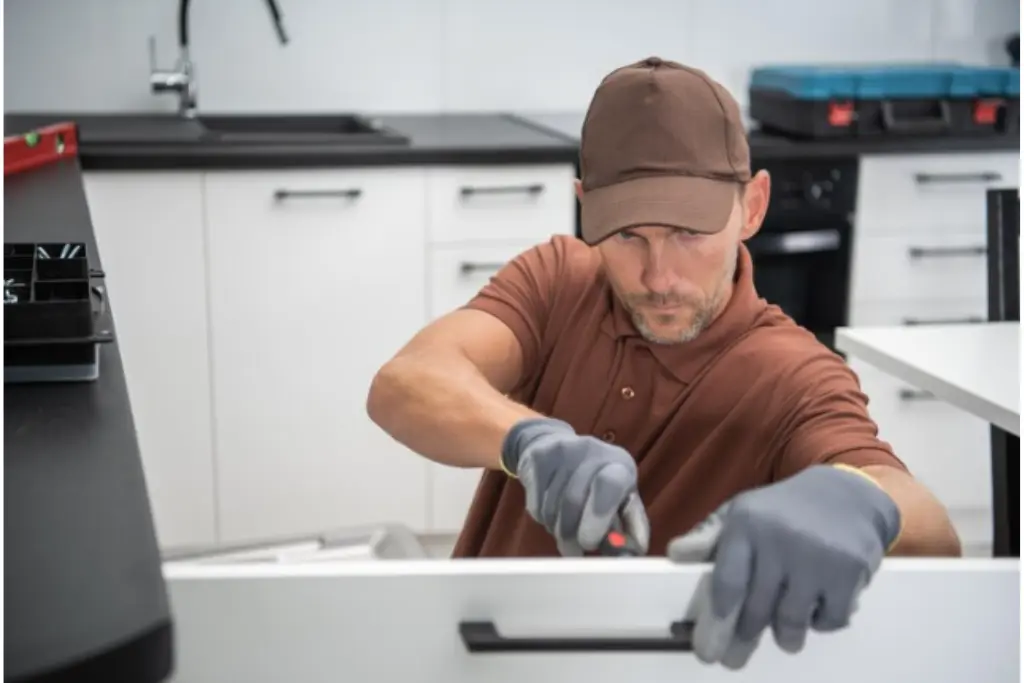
[(616, 543)]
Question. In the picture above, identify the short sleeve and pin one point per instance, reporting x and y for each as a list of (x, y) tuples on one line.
[(828, 422), (522, 294)]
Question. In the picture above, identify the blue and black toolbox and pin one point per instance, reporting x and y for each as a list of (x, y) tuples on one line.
[(886, 100)]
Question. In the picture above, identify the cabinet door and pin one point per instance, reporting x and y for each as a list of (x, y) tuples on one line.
[(456, 274), (316, 280), (149, 228)]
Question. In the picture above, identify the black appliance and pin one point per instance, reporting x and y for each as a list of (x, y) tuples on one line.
[(802, 253), (1003, 256)]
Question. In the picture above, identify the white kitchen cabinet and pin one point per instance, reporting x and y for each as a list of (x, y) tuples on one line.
[(149, 228), (478, 219), (930, 193), (495, 203), (316, 279)]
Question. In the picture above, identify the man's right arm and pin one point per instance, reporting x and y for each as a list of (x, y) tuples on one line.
[(443, 394)]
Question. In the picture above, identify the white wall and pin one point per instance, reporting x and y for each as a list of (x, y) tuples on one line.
[(448, 55)]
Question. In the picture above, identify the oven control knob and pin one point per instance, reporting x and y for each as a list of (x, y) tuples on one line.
[(817, 193)]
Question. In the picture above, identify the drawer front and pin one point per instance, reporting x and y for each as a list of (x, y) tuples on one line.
[(930, 193), (457, 273), (918, 312), (919, 267), (451, 493), (947, 449), (503, 203)]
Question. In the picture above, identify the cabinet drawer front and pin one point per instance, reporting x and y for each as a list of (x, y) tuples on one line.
[(456, 274), (919, 267), (918, 312), (946, 448), (930, 193), (504, 203)]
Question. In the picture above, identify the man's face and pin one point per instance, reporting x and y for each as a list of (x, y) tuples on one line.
[(675, 282)]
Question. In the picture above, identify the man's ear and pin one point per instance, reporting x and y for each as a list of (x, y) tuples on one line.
[(756, 194), (579, 189)]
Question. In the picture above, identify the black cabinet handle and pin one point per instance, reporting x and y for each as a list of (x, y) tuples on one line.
[(943, 321), (983, 177), (533, 189), (483, 636), (349, 193), (921, 252), (467, 268)]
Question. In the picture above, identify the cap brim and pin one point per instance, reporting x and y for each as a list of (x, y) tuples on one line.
[(686, 202)]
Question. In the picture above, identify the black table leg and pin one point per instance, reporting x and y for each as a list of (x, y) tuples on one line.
[(1005, 493)]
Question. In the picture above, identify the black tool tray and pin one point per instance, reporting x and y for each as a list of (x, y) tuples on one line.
[(52, 297)]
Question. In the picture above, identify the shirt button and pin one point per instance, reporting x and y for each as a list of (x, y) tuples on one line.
[(628, 393), (609, 436)]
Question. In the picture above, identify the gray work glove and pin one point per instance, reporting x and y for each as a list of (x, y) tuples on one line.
[(794, 555), (576, 486)]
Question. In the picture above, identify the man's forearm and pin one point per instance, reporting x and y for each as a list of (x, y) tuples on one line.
[(443, 408), (927, 529)]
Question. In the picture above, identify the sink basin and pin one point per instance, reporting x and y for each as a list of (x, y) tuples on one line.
[(304, 128)]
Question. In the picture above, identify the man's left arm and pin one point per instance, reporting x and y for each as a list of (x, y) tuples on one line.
[(829, 424)]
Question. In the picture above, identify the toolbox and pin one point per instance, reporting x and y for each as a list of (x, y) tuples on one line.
[(55, 312), (908, 100)]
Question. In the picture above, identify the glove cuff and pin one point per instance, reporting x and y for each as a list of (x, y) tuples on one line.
[(888, 542), (521, 435)]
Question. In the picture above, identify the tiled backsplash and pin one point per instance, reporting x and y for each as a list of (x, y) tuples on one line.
[(449, 55)]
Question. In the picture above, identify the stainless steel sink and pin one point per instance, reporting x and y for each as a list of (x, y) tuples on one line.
[(302, 128)]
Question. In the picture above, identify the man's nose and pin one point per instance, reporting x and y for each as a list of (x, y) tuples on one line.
[(658, 276)]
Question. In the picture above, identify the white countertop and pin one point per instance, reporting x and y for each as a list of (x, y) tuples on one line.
[(975, 367)]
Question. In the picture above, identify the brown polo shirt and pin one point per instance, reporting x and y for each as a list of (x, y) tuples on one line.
[(755, 398)]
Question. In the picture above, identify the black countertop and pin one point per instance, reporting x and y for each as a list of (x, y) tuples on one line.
[(164, 141), (82, 573), (161, 141)]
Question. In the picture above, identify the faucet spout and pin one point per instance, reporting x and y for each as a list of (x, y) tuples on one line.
[(182, 78)]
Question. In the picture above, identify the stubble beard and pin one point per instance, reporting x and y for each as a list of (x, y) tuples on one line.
[(706, 310)]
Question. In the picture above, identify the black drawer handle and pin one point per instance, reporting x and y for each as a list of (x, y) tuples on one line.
[(533, 190), (467, 268), (916, 395), (922, 252), (483, 636), (350, 193), (983, 177), (943, 321)]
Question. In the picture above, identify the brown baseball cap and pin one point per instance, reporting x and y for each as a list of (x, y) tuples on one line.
[(662, 144)]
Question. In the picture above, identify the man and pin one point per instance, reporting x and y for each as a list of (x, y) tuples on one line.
[(636, 375)]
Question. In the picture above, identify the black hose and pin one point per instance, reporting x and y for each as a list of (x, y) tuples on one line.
[(183, 23)]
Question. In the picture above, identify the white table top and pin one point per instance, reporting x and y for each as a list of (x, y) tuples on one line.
[(975, 367)]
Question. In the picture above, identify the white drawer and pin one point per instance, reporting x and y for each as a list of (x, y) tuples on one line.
[(472, 204), (451, 493), (947, 449), (456, 274), (918, 312), (919, 266), (930, 193)]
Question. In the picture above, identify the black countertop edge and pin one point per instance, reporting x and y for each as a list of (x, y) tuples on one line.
[(154, 141), (118, 157), (143, 141)]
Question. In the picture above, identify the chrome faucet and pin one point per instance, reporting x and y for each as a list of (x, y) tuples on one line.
[(181, 79)]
